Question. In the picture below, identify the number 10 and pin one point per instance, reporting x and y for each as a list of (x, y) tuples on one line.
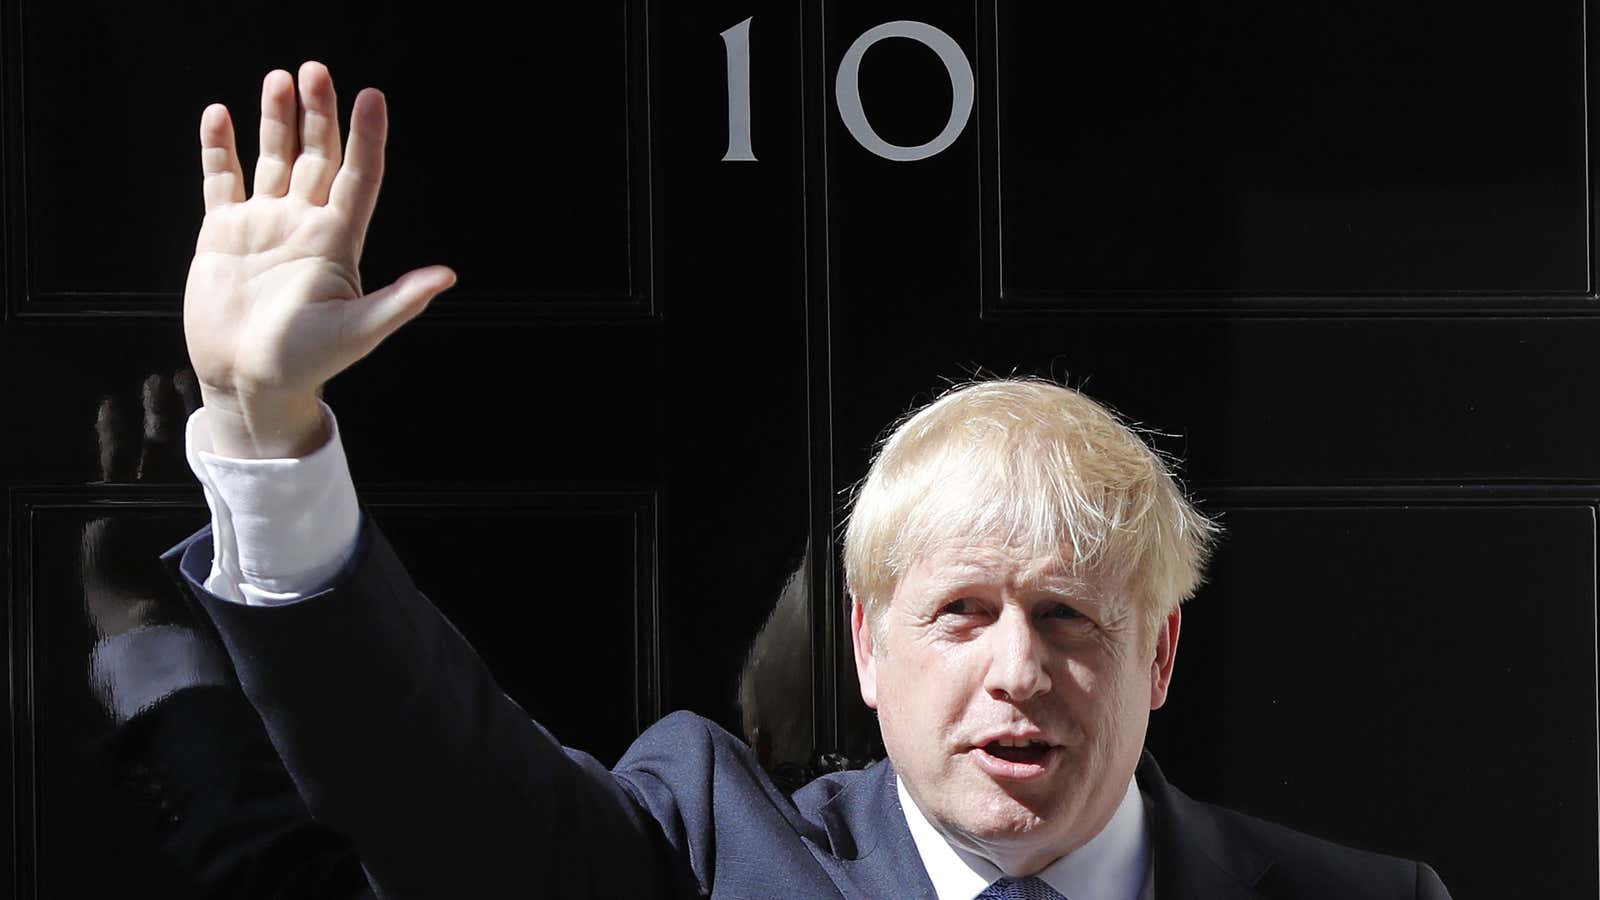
[(846, 90)]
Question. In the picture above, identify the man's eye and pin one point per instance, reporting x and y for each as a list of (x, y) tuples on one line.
[(958, 607), (1063, 611)]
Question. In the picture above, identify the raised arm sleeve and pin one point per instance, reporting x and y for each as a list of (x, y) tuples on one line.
[(282, 528), (397, 735)]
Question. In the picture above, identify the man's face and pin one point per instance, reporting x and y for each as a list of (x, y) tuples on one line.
[(984, 646)]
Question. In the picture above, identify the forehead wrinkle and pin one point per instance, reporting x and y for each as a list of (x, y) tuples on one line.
[(1055, 582), (1056, 575), (960, 563)]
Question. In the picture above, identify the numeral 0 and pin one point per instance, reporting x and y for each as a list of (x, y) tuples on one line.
[(847, 93)]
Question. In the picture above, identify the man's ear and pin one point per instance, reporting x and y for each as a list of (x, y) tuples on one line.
[(866, 662), (1166, 651)]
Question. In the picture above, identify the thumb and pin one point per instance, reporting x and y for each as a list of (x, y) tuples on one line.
[(382, 312)]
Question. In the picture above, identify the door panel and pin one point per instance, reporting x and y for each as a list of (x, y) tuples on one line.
[(1288, 150), (1336, 260)]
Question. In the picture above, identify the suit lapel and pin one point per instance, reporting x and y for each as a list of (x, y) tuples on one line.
[(1194, 857), (868, 835)]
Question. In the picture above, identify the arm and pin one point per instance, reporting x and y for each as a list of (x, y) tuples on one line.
[(1429, 886), (331, 756), (391, 727), (397, 735)]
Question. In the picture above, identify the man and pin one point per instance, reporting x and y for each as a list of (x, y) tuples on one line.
[(1016, 559)]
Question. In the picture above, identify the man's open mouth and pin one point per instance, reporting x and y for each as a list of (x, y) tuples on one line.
[(1017, 759), (1018, 751)]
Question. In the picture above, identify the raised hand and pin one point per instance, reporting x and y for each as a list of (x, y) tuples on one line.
[(273, 307)]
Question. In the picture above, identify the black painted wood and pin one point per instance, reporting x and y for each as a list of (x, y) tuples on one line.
[(1376, 153), (521, 159), (1337, 259), (1396, 671)]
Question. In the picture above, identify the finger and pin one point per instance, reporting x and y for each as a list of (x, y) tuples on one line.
[(151, 432), (161, 405), (105, 433), (355, 188), (117, 440), (159, 448), (219, 158), (189, 389), (380, 313), (150, 401), (319, 155), (280, 129)]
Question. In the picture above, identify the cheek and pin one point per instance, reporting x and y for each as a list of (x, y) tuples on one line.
[(929, 693), (1102, 690)]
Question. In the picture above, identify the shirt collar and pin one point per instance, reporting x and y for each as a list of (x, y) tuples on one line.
[(1113, 865)]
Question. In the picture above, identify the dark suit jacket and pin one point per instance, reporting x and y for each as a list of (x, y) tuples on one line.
[(396, 735)]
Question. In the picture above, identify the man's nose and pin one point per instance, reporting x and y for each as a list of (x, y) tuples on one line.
[(1017, 666)]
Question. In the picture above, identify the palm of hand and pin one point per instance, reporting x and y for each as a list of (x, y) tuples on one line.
[(278, 272), (273, 305)]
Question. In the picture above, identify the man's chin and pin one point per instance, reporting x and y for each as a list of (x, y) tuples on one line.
[(1004, 836), (1006, 812)]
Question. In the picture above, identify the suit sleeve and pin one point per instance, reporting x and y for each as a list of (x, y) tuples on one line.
[(397, 735), (1429, 885)]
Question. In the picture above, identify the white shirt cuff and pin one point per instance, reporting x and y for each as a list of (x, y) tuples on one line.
[(281, 528)]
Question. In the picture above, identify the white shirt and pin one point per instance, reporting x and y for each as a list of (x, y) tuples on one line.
[(283, 528), (1114, 865)]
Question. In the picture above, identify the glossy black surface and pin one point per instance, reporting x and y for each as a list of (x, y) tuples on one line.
[(512, 150), (1418, 146), (94, 578), (1400, 673), (1336, 257)]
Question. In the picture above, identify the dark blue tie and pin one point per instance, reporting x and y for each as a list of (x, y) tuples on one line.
[(1029, 888)]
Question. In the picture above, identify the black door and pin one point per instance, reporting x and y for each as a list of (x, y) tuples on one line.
[(1337, 258)]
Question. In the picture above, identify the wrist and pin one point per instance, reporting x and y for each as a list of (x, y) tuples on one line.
[(264, 427)]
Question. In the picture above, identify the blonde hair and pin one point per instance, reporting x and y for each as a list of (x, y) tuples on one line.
[(1028, 461)]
